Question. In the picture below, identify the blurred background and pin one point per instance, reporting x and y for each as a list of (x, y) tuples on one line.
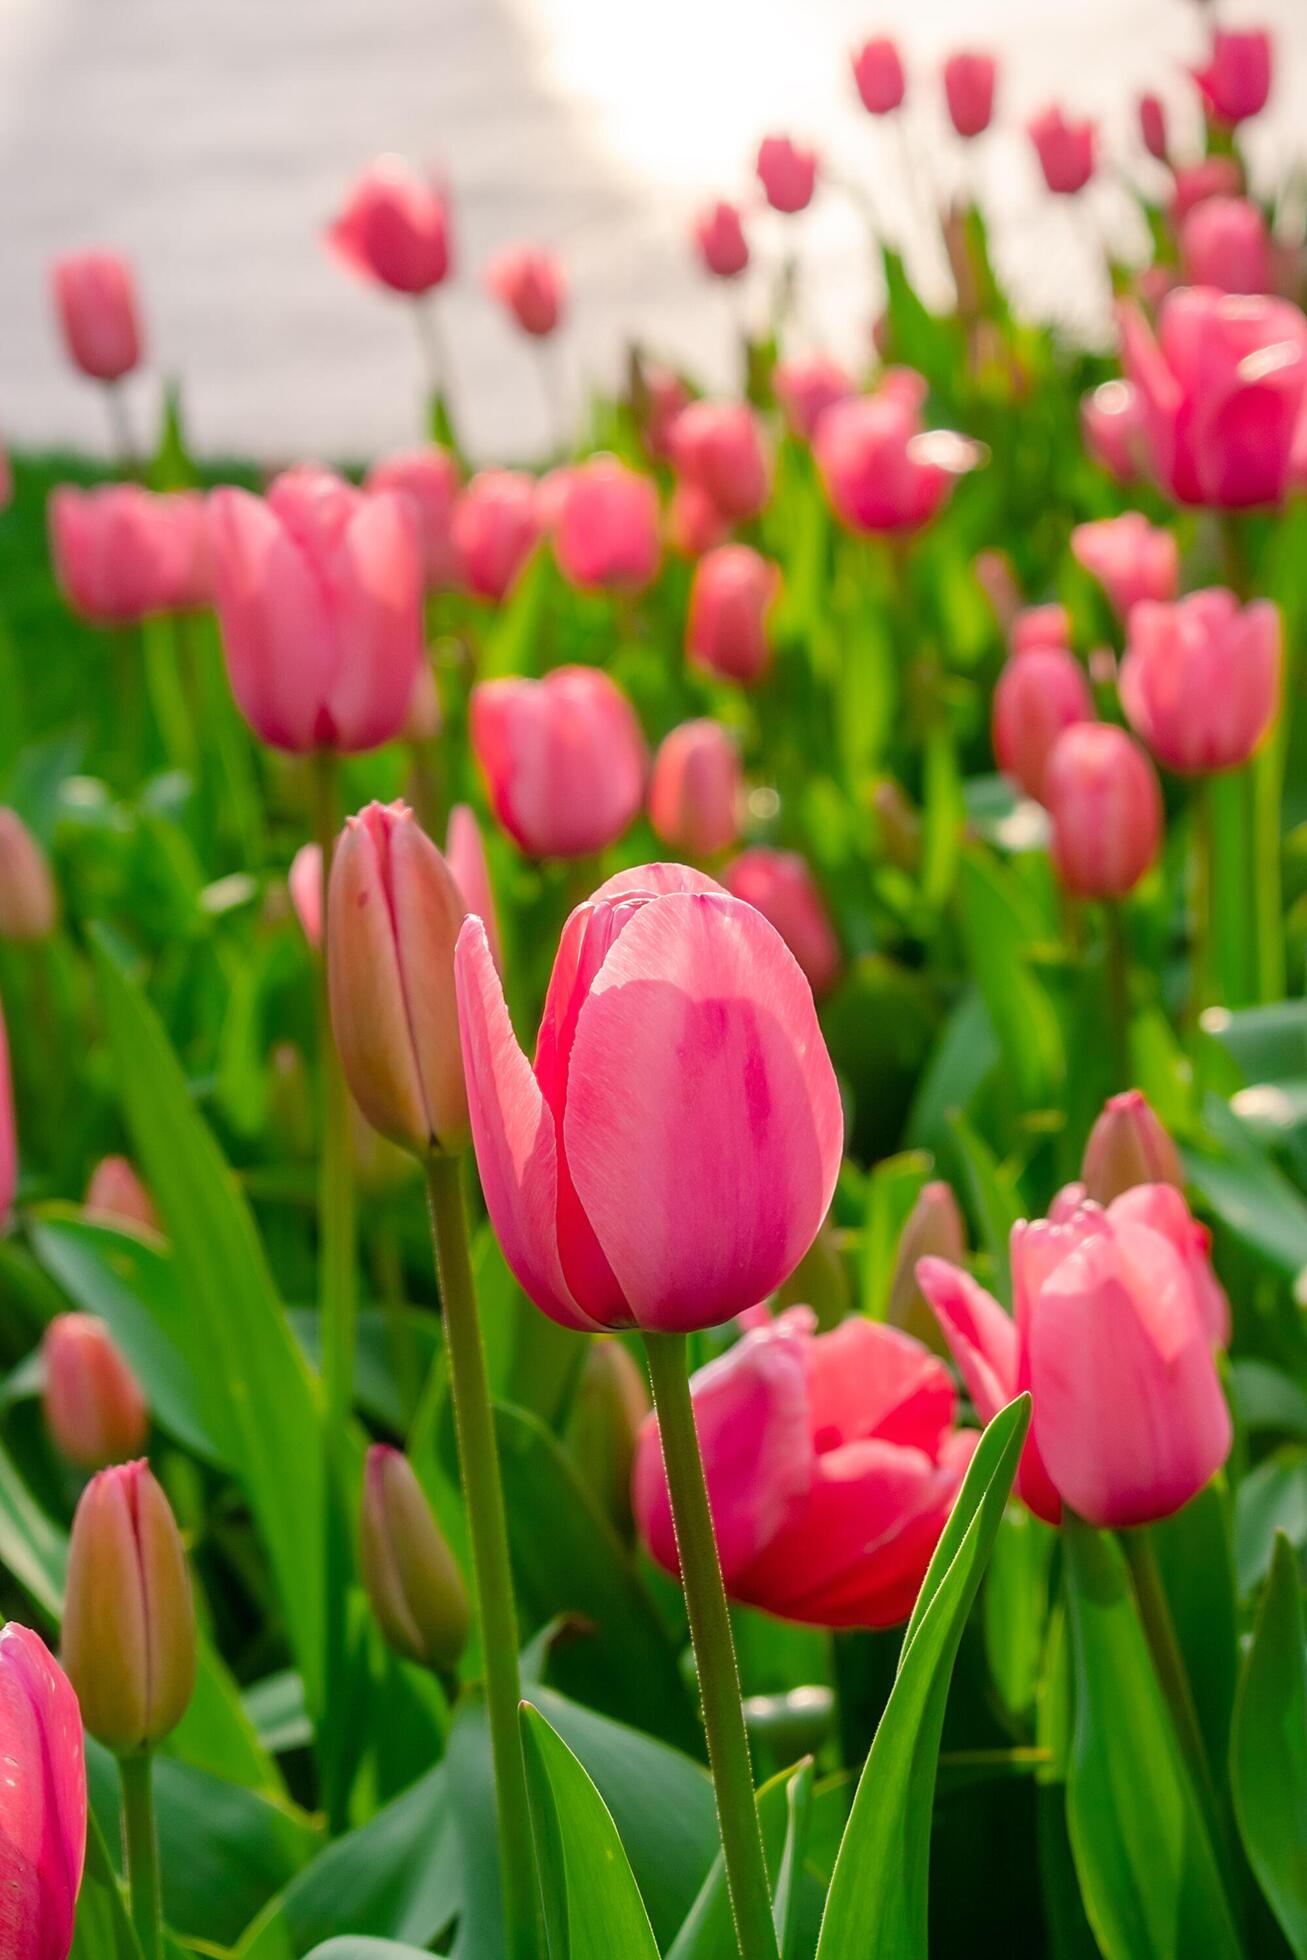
[(213, 141)]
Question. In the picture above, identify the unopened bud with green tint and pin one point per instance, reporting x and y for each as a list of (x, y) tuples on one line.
[(1128, 1146), (415, 1586), (393, 914), (128, 1642), (899, 825), (29, 908), (94, 1409), (934, 1230), (610, 1404)]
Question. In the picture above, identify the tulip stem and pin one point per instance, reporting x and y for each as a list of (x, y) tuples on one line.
[(141, 1851), (714, 1648), (491, 1573)]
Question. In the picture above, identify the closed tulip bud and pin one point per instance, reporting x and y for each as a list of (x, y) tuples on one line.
[(1040, 693), (882, 471), (695, 526), (787, 172), (606, 534), (8, 1129), (781, 887), (121, 553), (429, 479), (878, 73), (394, 229), (720, 447), (305, 882), (610, 1404), (969, 91), (898, 825), (1065, 150), (1040, 626), (1152, 126), (1131, 559), (563, 758), (731, 595), (95, 296), (1112, 424), (529, 284), (719, 237), (94, 1409), (1128, 1146), (129, 1621), (465, 854), (393, 914), (116, 1196), (43, 1817), (695, 789), (1103, 800), (496, 527), (933, 1230), (29, 908), (670, 1156), (1236, 81), (1225, 244), (1201, 679), (806, 388), (413, 1583)]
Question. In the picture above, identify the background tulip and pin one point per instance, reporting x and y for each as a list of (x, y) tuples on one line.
[(733, 591), (606, 536), (781, 887), (94, 1409), (1065, 150), (304, 881), (95, 296), (1128, 1146), (1224, 244), (1152, 126), (787, 172), (394, 229), (496, 526), (608, 1411), (528, 282), (669, 1159), (1112, 424), (694, 523), (29, 905), (1213, 176), (1105, 805), (807, 387), (1040, 626), (116, 1196), (122, 553), (413, 1583), (1040, 693), (881, 470), (1236, 79), (429, 479), (720, 447), (465, 854), (934, 1230), (43, 1816), (696, 789), (878, 73), (563, 758), (1200, 681), (969, 91), (719, 236), (1131, 559)]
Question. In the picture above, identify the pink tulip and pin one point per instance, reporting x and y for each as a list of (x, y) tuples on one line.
[(121, 553), (1039, 626), (720, 446), (733, 590), (29, 903), (1223, 392), (94, 1409), (1065, 150), (719, 236), (1041, 692), (465, 854), (1128, 1146), (305, 881), (606, 535), (429, 479), (807, 387), (832, 1464), (1200, 682), (116, 1196), (1224, 244), (695, 789), (670, 1157), (878, 73), (1112, 423), (662, 397), (496, 528), (563, 758), (787, 172), (1218, 176), (319, 594), (95, 296), (43, 1816), (1103, 799), (1109, 1335), (881, 470), (422, 718), (1131, 559), (8, 1129), (1236, 80), (780, 886), (969, 91), (394, 229), (1152, 126), (528, 282), (695, 526)]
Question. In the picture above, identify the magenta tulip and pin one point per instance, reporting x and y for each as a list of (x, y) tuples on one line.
[(733, 590), (563, 758), (720, 446), (882, 471), (1105, 806), (969, 91), (695, 790), (780, 886), (1236, 80), (429, 479), (394, 229), (787, 172), (43, 1816), (95, 296), (528, 282), (496, 527), (1225, 244), (1065, 150), (94, 1408), (672, 1154), (1200, 682), (878, 74), (1131, 559), (606, 536), (806, 387), (1041, 692), (1152, 126), (719, 237), (1112, 424)]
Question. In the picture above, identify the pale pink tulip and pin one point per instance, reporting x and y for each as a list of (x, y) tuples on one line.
[(305, 881), (606, 534), (1128, 1146), (563, 758), (95, 296), (94, 1408), (429, 478), (1105, 806), (806, 387), (695, 526), (496, 527), (696, 789), (780, 886), (1041, 692), (883, 472), (122, 553), (1131, 559), (1112, 424), (720, 447), (116, 1196), (465, 854), (1039, 626)]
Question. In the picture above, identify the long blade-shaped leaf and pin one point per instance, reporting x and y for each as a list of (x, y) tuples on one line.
[(1268, 1766)]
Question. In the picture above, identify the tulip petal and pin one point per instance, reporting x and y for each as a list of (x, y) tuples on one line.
[(378, 591), (278, 633), (982, 1338), (865, 1379), (43, 1817)]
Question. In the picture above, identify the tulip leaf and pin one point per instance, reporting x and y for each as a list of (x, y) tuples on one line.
[(1001, 925), (1248, 1192), (103, 1930), (1148, 1874), (33, 1551), (876, 1906), (784, 1818), (1268, 1765), (350, 1947)]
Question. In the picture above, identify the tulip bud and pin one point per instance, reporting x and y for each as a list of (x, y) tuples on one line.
[(116, 1196), (129, 1621), (787, 172), (933, 1229), (1128, 1146), (28, 905), (96, 301), (719, 236), (394, 229), (898, 824), (1225, 244), (305, 881), (1065, 149), (969, 90), (606, 536), (780, 886), (1152, 126), (1102, 796), (694, 792), (94, 1409), (719, 446), (1040, 693), (733, 591), (414, 1586), (465, 854), (496, 525), (529, 284), (1040, 626), (610, 1404), (878, 74)]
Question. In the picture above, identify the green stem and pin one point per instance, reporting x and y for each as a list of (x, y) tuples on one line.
[(714, 1649), (492, 1577), (120, 426), (173, 712), (1116, 971), (141, 1852)]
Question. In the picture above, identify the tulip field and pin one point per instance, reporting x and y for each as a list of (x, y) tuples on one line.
[(653, 1114)]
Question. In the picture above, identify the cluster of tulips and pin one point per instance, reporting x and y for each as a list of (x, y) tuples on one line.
[(890, 827)]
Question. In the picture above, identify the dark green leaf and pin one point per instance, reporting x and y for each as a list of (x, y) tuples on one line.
[(1268, 1765)]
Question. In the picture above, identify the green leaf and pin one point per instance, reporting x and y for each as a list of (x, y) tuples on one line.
[(1247, 1192), (352, 1948), (33, 1550), (103, 1931), (1147, 1871), (876, 1906), (892, 1189), (709, 1932), (787, 1911), (592, 1904), (1272, 1498), (1268, 1762), (1000, 926)]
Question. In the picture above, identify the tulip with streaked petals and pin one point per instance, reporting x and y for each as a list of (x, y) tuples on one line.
[(116, 1196), (1131, 559), (496, 527), (1236, 78), (528, 283), (1065, 148), (696, 789), (606, 534), (394, 229), (43, 1816), (29, 905), (429, 479), (465, 854), (969, 91), (671, 1155), (122, 553), (882, 471), (806, 387), (128, 1638), (393, 915), (1105, 805), (720, 240), (95, 296), (1112, 424), (93, 1404), (720, 446), (413, 1583), (878, 74), (1200, 682), (1152, 126), (781, 887), (1128, 1146), (1040, 693), (733, 590), (831, 1462), (563, 758), (1225, 244), (787, 172)]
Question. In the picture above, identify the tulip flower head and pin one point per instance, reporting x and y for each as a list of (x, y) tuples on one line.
[(606, 537), (659, 395), (720, 447), (1152, 126), (43, 1817), (1200, 681), (116, 1196), (969, 91), (1066, 150), (882, 471), (304, 880), (95, 297), (394, 229), (122, 553), (720, 240), (731, 595), (496, 527), (429, 479), (1041, 692), (1214, 176), (1128, 1146), (94, 1409), (1236, 79), (1105, 806), (29, 905), (695, 526), (787, 172), (669, 1157), (465, 854), (934, 1229), (528, 283), (780, 886), (806, 388), (696, 789), (1131, 559), (563, 759), (1112, 424), (1224, 244), (878, 74), (1039, 626), (832, 1464), (413, 1583)]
